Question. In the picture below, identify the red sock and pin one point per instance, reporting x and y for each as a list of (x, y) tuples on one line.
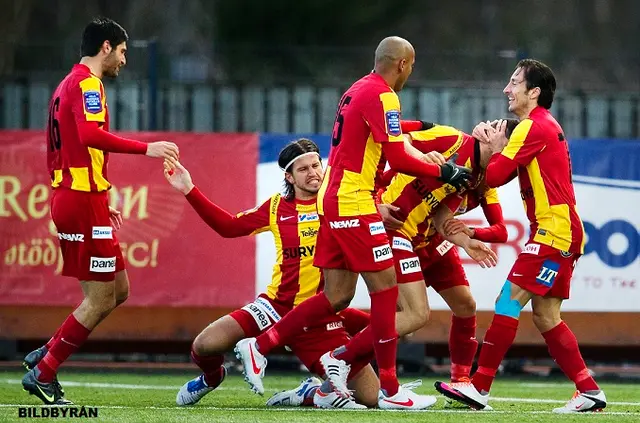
[(462, 346), (495, 345), (354, 320), (383, 328), (358, 346), (53, 339), (563, 347), (72, 335), (211, 366), (310, 310)]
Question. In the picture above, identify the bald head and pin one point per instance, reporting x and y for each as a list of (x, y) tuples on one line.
[(391, 50)]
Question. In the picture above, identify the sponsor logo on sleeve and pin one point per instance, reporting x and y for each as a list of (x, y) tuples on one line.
[(393, 122), (376, 228), (382, 253), (401, 244), (102, 232), (102, 265), (409, 265), (92, 102)]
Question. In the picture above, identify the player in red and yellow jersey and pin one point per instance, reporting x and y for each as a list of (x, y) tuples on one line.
[(537, 152), (292, 218), (352, 239), (78, 144)]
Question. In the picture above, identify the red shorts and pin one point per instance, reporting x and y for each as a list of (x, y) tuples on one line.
[(438, 264), (309, 346), (357, 243), (544, 270), (90, 250)]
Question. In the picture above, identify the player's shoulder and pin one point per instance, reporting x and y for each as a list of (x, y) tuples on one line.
[(371, 85)]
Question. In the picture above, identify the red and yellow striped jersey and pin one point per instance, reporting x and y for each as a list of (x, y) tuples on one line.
[(417, 198), (368, 115), (294, 225), (538, 149), (80, 96)]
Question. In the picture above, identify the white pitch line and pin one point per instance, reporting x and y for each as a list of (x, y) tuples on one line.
[(233, 388)]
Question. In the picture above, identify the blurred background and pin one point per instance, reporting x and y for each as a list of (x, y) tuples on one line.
[(231, 82)]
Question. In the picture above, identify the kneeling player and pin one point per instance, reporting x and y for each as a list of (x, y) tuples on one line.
[(293, 220)]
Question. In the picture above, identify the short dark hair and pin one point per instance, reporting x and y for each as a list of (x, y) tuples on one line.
[(511, 125), (289, 153), (97, 32), (537, 74)]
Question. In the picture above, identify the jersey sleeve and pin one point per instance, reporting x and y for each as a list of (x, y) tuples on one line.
[(452, 202), (525, 143), (382, 114), (88, 102), (255, 219), (497, 230), (440, 138)]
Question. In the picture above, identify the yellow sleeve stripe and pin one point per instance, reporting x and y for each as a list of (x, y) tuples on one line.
[(391, 102), (517, 139), (433, 133), (93, 100), (491, 196)]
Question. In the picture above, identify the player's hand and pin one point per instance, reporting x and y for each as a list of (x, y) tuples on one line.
[(434, 157), (480, 132), (178, 177), (498, 136), (390, 222), (482, 254), (165, 150), (116, 218), (455, 226), (454, 174)]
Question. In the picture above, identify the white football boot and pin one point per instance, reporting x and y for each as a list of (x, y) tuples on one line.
[(334, 400), (337, 372), (463, 392), (253, 364), (193, 391), (294, 397), (406, 399), (581, 403)]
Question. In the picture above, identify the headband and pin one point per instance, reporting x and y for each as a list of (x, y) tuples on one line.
[(297, 157)]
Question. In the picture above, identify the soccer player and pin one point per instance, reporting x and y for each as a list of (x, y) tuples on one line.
[(292, 218), (352, 239), (537, 152), (78, 147)]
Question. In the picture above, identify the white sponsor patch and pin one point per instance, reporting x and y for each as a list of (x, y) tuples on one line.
[(382, 253), (334, 325), (71, 237), (409, 265), (262, 312), (531, 249), (401, 244), (102, 265), (102, 232), (376, 228), (308, 217), (341, 224), (444, 247)]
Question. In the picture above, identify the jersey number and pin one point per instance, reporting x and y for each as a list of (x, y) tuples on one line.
[(561, 138), (336, 137), (54, 127)]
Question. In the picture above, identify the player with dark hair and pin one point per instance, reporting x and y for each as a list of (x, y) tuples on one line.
[(537, 152), (78, 147), (292, 218), (352, 239)]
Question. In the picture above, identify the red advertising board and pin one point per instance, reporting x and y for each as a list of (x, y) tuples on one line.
[(172, 257)]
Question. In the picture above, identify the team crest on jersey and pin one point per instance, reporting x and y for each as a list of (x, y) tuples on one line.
[(92, 102), (393, 122)]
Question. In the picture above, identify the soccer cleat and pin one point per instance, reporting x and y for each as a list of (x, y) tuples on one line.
[(32, 359), (337, 371), (463, 392), (253, 364), (334, 400), (193, 391), (406, 399), (582, 402), (294, 397), (47, 392)]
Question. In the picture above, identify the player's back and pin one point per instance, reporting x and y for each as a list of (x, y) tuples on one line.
[(368, 115), (546, 185), (78, 98)]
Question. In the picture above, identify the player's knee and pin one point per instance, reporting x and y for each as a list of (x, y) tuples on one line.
[(505, 305), (339, 299), (200, 345), (466, 307), (420, 317), (545, 321), (121, 297)]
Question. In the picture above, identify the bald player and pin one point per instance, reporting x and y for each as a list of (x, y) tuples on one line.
[(352, 239)]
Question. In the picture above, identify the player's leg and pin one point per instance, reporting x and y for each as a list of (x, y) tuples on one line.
[(122, 287), (207, 352), (354, 320)]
